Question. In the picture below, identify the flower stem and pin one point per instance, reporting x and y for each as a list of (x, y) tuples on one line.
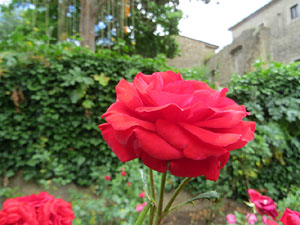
[(151, 216), (161, 199), (152, 184), (143, 214), (179, 188), (153, 206)]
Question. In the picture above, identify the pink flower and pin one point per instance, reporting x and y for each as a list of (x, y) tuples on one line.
[(265, 220), (140, 207), (264, 204), (290, 217), (107, 178), (142, 195), (129, 184), (251, 218), (123, 173), (231, 219)]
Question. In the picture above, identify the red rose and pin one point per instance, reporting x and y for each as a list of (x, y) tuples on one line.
[(56, 212), (169, 123), (264, 204), (36, 200), (123, 173), (107, 178), (40, 209), (15, 212), (290, 217)]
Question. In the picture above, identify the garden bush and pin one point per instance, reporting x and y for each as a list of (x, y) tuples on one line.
[(51, 100)]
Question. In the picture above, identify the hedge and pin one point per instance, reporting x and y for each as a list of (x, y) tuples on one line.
[(51, 100)]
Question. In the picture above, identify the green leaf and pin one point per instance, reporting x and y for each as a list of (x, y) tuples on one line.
[(87, 104), (102, 79), (205, 195)]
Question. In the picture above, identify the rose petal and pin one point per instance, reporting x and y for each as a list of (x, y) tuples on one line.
[(123, 152), (198, 150), (217, 139), (155, 146), (245, 128), (123, 136), (290, 217), (123, 122), (168, 77), (162, 98), (128, 95), (223, 120), (209, 167), (155, 164), (171, 112), (117, 107), (179, 87), (144, 77), (176, 137), (186, 87)]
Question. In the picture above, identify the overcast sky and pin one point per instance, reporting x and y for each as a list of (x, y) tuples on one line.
[(210, 22)]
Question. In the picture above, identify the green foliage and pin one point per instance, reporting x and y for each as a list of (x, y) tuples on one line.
[(274, 102), (292, 201), (115, 203), (157, 24), (144, 22), (51, 101)]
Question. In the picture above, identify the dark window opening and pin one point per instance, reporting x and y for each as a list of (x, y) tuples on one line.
[(236, 50), (294, 11)]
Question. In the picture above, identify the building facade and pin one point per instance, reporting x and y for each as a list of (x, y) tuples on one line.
[(272, 33), (193, 52)]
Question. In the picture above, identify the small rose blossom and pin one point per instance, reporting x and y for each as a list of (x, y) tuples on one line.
[(231, 219), (265, 220), (123, 173), (264, 204), (142, 194), (251, 218), (107, 178), (129, 184), (205, 125), (140, 207), (290, 217)]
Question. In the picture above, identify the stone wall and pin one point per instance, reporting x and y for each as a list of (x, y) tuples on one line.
[(240, 55), (284, 31), (192, 52), (269, 34)]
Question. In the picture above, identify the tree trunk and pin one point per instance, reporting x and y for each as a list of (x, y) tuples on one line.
[(88, 18), (61, 29)]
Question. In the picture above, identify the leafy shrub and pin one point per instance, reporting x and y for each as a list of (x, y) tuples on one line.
[(115, 203), (51, 101)]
